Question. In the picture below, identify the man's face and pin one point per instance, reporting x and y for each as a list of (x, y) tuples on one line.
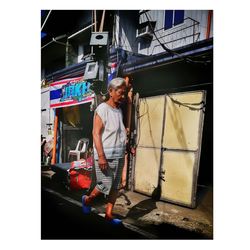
[(118, 95)]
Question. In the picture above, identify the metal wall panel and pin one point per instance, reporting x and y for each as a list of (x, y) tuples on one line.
[(151, 111), (170, 130), (182, 124), (182, 142), (178, 185), (146, 170)]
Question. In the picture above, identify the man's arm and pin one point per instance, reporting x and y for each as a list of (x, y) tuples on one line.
[(97, 138)]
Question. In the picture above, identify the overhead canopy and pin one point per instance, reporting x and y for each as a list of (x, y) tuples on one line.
[(70, 92)]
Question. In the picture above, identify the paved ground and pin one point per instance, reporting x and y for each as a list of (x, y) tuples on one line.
[(62, 219), (142, 210), (142, 215)]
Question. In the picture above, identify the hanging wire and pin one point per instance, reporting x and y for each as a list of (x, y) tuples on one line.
[(187, 59), (189, 105), (184, 104), (103, 94)]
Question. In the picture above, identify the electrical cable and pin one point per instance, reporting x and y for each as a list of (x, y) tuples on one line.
[(103, 94), (189, 105), (187, 59), (186, 105)]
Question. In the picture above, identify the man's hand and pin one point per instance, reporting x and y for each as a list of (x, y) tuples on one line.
[(133, 151), (103, 164)]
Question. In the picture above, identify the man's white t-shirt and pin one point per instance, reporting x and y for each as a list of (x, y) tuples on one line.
[(113, 134)]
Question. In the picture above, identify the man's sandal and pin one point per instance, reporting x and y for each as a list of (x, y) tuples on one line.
[(113, 221), (85, 208)]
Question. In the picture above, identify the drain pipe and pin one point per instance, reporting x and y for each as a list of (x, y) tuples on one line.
[(209, 17)]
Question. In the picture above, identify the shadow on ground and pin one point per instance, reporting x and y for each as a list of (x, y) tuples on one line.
[(164, 230), (63, 220)]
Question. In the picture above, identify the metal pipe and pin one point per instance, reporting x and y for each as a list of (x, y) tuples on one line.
[(176, 31), (95, 23), (92, 19), (55, 40), (95, 19), (53, 161), (198, 34), (102, 21), (47, 44), (194, 21), (193, 32), (46, 19), (209, 17), (80, 31)]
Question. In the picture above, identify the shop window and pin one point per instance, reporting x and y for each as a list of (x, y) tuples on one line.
[(173, 18)]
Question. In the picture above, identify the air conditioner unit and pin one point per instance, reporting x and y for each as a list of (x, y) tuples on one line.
[(144, 31)]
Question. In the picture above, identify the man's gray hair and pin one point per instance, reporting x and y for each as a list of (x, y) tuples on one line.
[(116, 83)]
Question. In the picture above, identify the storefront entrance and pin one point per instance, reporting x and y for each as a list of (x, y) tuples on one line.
[(76, 123)]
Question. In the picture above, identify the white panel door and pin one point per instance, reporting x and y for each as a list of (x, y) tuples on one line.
[(169, 142), (181, 145), (149, 140)]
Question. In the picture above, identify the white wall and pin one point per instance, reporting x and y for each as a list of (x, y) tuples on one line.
[(48, 115)]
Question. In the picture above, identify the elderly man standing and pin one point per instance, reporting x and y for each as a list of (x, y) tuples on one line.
[(109, 137)]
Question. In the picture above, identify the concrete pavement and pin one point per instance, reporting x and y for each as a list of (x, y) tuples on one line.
[(141, 211)]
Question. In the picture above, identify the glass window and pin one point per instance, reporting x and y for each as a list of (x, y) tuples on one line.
[(173, 18), (168, 19), (178, 17)]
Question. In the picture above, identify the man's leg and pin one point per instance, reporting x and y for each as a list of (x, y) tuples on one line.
[(110, 205), (88, 199)]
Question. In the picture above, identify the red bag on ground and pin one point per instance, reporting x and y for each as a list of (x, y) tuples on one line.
[(80, 174)]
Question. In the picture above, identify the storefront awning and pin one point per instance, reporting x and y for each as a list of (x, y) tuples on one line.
[(70, 92)]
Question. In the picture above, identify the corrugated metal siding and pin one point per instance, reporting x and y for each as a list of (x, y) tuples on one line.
[(178, 36), (185, 36), (200, 16)]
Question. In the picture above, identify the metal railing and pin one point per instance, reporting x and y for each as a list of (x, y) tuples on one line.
[(183, 27)]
